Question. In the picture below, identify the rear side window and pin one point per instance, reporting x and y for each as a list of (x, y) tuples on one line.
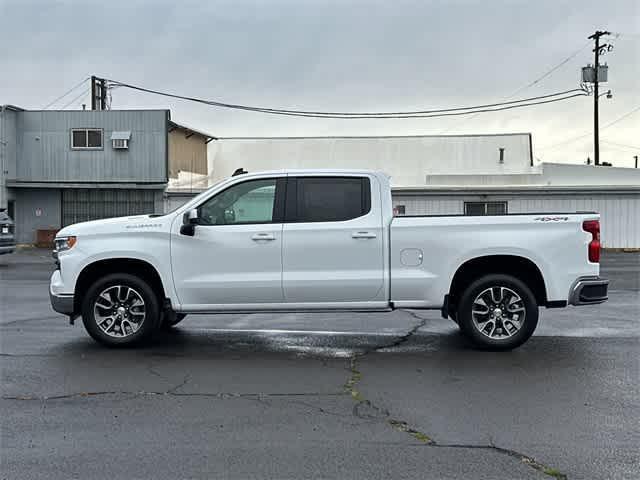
[(327, 199)]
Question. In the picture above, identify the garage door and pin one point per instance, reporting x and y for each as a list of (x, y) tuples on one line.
[(81, 205)]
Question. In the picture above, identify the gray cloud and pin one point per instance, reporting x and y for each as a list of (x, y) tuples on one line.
[(351, 55)]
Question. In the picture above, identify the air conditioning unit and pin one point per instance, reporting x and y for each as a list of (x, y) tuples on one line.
[(120, 140), (119, 143)]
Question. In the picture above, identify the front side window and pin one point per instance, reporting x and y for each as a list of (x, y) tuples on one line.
[(329, 199), (86, 138), (244, 203)]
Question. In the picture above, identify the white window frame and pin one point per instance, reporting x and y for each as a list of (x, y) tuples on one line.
[(86, 132)]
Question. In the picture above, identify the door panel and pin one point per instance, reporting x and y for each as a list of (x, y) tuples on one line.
[(235, 254), (332, 261), (228, 264)]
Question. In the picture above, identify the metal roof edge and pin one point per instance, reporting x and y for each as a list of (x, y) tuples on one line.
[(182, 126), (89, 185), (517, 189), (471, 135)]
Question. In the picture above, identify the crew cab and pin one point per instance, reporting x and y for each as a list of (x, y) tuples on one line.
[(318, 240)]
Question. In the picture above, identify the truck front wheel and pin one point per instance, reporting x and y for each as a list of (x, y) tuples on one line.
[(120, 310), (497, 312)]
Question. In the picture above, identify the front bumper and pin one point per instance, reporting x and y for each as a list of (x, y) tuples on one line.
[(7, 249), (62, 303), (589, 291)]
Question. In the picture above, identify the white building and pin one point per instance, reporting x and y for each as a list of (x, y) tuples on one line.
[(450, 174)]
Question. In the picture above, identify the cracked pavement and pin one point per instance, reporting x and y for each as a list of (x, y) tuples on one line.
[(370, 396)]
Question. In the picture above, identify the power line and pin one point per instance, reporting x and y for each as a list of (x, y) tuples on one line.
[(84, 92), (65, 94), (528, 85), (633, 147), (619, 119), (558, 96)]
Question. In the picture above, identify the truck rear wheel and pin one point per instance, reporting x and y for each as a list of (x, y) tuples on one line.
[(497, 312), (120, 310)]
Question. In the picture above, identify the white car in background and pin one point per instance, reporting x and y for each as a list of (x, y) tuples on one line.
[(318, 240)]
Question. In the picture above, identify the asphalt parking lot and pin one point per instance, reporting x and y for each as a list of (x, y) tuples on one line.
[(367, 396)]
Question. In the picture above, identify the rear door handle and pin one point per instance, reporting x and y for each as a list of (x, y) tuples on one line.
[(262, 236), (363, 235)]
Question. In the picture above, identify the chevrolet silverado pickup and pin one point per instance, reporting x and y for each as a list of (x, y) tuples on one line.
[(321, 240)]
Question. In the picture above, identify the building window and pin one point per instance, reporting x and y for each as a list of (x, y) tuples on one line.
[(485, 208), (86, 139)]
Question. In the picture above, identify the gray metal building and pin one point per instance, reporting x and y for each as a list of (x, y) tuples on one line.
[(63, 167)]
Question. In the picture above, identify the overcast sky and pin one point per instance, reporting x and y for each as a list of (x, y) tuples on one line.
[(335, 55)]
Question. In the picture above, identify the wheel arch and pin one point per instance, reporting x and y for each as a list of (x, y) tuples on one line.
[(517, 266), (134, 266)]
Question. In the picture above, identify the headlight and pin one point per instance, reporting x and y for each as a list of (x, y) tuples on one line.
[(65, 243)]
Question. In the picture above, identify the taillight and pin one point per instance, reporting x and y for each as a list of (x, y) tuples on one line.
[(593, 227)]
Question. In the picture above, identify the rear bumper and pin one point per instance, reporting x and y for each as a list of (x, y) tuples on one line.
[(7, 249), (589, 291)]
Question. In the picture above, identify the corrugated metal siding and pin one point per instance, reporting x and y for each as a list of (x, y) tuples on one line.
[(45, 154), (81, 205), (28, 202), (8, 148), (620, 213)]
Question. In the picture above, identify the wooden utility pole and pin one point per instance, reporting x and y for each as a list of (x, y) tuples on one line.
[(596, 134), (93, 92)]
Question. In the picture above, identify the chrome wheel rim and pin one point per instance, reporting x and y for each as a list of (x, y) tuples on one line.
[(498, 313), (119, 311)]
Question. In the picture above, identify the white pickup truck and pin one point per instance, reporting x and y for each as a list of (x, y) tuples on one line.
[(318, 240)]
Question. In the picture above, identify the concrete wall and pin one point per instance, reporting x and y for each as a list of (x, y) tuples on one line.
[(27, 203), (44, 151), (187, 152), (408, 160)]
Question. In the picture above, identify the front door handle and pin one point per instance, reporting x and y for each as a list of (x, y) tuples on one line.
[(363, 235), (262, 236)]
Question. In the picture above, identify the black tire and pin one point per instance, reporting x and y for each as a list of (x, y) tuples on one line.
[(151, 319), (527, 302), (171, 318)]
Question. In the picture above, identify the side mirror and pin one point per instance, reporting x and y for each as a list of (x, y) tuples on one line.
[(190, 220)]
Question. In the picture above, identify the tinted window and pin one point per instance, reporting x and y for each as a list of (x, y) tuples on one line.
[(246, 202), (330, 199), (86, 138), (79, 138), (94, 138)]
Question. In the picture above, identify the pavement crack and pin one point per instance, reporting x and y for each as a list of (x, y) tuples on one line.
[(171, 392), (405, 338), (365, 408), (185, 380), (526, 459)]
